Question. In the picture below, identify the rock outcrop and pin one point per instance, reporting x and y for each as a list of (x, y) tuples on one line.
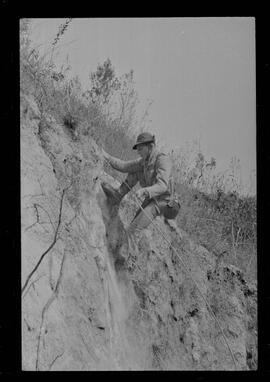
[(78, 312)]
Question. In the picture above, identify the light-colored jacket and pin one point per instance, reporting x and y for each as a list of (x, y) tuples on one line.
[(153, 174)]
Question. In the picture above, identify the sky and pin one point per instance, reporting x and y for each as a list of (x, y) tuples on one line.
[(199, 74)]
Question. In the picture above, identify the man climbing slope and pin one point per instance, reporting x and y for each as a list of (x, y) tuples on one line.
[(153, 172)]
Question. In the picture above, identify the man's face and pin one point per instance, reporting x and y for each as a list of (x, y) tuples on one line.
[(143, 150)]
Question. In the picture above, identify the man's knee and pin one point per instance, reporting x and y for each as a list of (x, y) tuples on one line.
[(143, 219)]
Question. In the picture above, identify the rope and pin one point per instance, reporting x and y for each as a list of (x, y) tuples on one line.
[(187, 270)]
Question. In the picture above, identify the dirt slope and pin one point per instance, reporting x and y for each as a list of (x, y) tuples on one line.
[(78, 313)]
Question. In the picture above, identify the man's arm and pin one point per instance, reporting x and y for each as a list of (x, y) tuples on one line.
[(123, 166)]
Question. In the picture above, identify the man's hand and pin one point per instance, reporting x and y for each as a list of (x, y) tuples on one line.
[(141, 193)]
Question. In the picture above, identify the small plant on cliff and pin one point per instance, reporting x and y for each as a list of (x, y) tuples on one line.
[(103, 83)]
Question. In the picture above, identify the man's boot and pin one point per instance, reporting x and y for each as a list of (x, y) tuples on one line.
[(120, 263), (122, 254)]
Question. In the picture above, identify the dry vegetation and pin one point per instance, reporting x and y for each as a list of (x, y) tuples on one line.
[(223, 221)]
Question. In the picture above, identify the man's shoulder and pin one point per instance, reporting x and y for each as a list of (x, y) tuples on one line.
[(156, 153), (161, 155), (163, 160)]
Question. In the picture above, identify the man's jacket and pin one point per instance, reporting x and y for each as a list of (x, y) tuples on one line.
[(153, 174)]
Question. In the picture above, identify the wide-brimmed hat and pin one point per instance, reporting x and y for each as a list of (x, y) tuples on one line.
[(144, 138)]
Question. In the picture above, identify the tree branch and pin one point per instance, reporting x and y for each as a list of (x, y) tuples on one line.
[(46, 307), (50, 247), (36, 204), (32, 283), (58, 356)]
